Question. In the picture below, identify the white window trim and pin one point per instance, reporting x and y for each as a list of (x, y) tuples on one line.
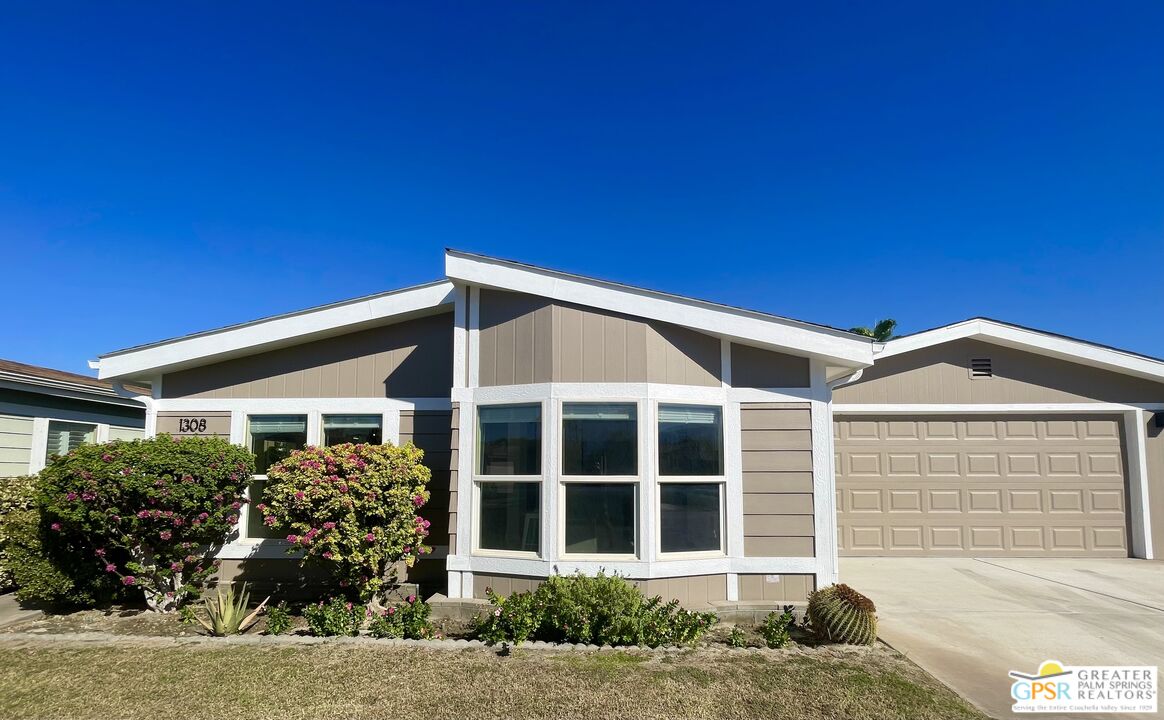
[(38, 453), (477, 479)]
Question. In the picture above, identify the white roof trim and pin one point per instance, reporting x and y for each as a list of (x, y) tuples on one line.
[(1041, 343), (836, 346), (273, 332)]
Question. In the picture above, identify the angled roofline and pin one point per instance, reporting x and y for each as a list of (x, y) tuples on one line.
[(60, 383), (833, 345), (274, 331), (1040, 342)]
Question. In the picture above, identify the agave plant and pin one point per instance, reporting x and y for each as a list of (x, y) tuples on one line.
[(227, 613)]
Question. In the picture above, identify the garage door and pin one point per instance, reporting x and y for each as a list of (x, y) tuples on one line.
[(981, 486)]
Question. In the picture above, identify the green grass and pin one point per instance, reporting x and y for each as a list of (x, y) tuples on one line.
[(365, 681)]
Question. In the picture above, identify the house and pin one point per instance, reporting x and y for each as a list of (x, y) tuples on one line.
[(46, 412), (710, 453)]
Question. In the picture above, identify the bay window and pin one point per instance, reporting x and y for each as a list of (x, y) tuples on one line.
[(508, 478), (691, 479), (600, 440), (600, 518)]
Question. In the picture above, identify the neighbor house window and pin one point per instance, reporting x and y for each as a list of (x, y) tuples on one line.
[(272, 438), (600, 465), (339, 429), (509, 447), (691, 478), (66, 436)]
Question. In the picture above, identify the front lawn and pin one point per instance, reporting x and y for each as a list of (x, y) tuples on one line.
[(337, 680)]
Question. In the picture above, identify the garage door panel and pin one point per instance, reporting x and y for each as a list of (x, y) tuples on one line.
[(989, 486)]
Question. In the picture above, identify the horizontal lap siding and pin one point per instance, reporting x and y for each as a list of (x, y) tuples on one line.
[(431, 431), (15, 445), (776, 440)]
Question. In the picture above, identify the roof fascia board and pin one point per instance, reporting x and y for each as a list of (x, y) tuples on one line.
[(65, 392), (1032, 341), (832, 346), (265, 333)]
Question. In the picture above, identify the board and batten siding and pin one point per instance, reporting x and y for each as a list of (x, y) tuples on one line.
[(754, 367), (695, 591), (15, 445), (776, 439), (431, 431), (941, 374), (525, 339), (776, 588), (413, 358)]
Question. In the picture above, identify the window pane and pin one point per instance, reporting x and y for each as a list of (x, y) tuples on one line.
[(690, 440), (600, 518), (66, 436), (351, 429), (599, 439), (689, 517), (273, 437), (510, 518), (510, 440), (256, 528)]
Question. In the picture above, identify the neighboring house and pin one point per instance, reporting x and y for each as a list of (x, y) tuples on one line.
[(47, 412), (577, 424)]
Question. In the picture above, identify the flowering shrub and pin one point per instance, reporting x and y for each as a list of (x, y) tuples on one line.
[(337, 616), (409, 620), (599, 610), (352, 507), (775, 629), (278, 619), (148, 512), (16, 500)]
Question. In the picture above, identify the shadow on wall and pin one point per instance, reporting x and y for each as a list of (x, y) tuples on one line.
[(285, 580)]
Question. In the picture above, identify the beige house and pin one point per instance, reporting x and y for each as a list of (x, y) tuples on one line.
[(45, 412), (711, 453)]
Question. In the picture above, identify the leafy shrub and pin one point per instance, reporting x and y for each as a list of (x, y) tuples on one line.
[(351, 507), (409, 620), (737, 639), (599, 610), (149, 512), (336, 617), (775, 629), (16, 497), (278, 619), (840, 614)]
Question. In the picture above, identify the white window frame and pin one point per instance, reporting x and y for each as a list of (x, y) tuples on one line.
[(479, 479), (720, 480), (38, 452)]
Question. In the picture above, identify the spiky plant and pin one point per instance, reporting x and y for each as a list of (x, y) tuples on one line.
[(840, 614), (227, 614)]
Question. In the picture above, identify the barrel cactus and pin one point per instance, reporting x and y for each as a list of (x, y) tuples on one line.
[(840, 614)]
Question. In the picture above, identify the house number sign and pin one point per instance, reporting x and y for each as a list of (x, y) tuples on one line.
[(192, 425)]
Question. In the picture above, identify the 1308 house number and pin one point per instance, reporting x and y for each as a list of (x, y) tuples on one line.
[(191, 425)]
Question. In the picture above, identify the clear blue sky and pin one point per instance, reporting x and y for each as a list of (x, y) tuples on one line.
[(171, 169)]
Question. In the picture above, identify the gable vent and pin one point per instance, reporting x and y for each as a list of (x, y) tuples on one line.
[(981, 368)]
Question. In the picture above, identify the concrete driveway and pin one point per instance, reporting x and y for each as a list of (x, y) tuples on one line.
[(968, 621)]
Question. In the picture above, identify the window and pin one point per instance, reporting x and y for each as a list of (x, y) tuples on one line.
[(690, 440), (339, 429), (510, 516), (272, 438), (600, 518), (66, 436), (510, 440), (599, 439), (689, 518)]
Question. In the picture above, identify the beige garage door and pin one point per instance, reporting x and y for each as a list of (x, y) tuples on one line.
[(981, 486)]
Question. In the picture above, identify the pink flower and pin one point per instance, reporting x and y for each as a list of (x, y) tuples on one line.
[(369, 537), (232, 519), (100, 552), (165, 535), (110, 567), (71, 496), (327, 554), (56, 527), (175, 566), (143, 514), (269, 520), (418, 500), (292, 538), (411, 599), (497, 612), (87, 496), (203, 516), (299, 495), (392, 610), (407, 549), (106, 457), (348, 606), (343, 488), (235, 505), (128, 580), (329, 525)]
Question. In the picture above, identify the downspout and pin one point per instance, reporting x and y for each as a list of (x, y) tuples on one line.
[(147, 400)]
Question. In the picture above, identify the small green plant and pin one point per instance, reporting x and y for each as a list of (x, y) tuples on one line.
[(840, 614), (775, 629), (186, 615), (278, 619), (409, 621), (513, 619), (227, 613), (737, 639), (336, 617)]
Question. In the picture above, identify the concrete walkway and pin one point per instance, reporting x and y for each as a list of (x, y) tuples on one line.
[(12, 612), (969, 621)]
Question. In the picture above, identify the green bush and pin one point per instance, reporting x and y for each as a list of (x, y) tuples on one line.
[(408, 620), (149, 512), (16, 497), (776, 628), (599, 610), (336, 617), (278, 619), (737, 639), (353, 508)]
